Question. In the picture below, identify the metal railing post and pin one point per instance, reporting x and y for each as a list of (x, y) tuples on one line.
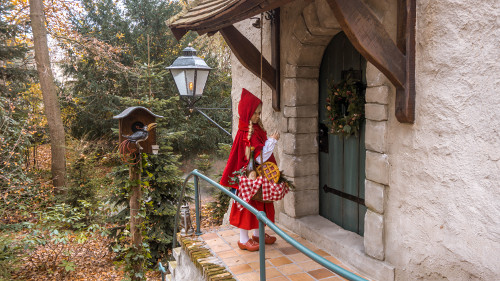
[(162, 270), (197, 204), (262, 249)]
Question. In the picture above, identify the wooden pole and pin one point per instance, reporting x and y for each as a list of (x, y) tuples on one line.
[(135, 220)]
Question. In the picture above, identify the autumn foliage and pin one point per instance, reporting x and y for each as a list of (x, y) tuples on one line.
[(106, 55)]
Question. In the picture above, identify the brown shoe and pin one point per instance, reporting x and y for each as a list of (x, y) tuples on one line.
[(250, 245), (269, 239)]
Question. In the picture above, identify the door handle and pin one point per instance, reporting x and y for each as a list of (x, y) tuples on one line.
[(323, 138), (342, 194)]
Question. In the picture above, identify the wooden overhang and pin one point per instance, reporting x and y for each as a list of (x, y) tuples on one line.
[(395, 59)]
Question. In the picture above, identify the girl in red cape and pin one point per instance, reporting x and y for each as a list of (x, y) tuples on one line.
[(249, 110)]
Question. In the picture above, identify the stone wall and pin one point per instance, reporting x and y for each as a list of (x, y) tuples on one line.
[(431, 187)]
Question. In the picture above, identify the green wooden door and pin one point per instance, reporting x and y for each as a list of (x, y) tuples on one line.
[(341, 160)]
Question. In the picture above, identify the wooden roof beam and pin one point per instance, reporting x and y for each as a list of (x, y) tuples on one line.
[(370, 38), (248, 55)]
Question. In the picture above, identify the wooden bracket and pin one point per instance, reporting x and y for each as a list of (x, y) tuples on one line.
[(405, 97), (275, 57), (248, 55), (369, 37)]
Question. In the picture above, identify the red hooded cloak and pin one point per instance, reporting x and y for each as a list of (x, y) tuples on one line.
[(248, 104)]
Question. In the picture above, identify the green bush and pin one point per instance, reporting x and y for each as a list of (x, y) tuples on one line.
[(161, 181), (9, 255), (88, 180)]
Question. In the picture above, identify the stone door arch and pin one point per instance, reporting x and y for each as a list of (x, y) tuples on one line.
[(303, 46)]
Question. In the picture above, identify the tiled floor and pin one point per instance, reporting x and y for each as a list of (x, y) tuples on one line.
[(283, 261)]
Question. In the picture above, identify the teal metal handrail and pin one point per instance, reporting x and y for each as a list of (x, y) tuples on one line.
[(162, 270), (263, 220)]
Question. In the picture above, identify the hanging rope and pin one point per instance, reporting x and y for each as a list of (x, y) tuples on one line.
[(261, 51), (250, 125), (128, 152)]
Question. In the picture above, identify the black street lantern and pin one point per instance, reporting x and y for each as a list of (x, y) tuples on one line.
[(190, 73)]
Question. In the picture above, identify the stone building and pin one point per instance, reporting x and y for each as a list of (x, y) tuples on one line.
[(426, 189)]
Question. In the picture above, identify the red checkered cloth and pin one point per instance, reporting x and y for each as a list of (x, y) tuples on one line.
[(271, 191)]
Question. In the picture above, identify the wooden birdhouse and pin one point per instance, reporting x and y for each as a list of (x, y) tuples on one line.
[(135, 119)]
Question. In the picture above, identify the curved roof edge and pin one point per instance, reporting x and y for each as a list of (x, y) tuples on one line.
[(209, 16), (129, 110)]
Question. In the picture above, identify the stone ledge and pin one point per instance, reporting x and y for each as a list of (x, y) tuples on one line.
[(345, 245), (209, 267)]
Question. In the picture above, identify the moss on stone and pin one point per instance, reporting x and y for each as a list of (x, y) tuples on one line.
[(203, 259)]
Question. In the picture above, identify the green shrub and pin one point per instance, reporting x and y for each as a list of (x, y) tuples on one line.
[(162, 182), (9, 255)]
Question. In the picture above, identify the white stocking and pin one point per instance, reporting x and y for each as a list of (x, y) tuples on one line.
[(256, 232), (244, 236)]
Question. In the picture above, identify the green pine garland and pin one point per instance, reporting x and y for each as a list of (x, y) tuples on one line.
[(345, 106)]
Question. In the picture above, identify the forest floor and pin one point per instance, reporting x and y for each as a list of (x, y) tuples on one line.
[(89, 260), (75, 259)]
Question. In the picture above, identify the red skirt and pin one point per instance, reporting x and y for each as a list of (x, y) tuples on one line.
[(245, 219)]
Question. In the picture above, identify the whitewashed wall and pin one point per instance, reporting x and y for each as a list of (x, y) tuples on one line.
[(442, 202), (442, 217)]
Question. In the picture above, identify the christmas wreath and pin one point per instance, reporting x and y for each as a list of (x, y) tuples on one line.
[(345, 107)]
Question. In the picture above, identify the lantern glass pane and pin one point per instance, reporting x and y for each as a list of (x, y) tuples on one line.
[(190, 83), (201, 80), (180, 81)]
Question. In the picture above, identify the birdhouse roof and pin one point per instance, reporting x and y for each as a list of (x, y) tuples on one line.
[(131, 109)]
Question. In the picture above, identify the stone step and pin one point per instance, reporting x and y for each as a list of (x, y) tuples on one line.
[(172, 265), (176, 252)]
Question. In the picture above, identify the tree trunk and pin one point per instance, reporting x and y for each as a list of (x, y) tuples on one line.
[(50, 100), (135, 219)]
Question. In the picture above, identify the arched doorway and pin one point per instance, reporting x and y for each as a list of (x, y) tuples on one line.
[(341, 160)]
